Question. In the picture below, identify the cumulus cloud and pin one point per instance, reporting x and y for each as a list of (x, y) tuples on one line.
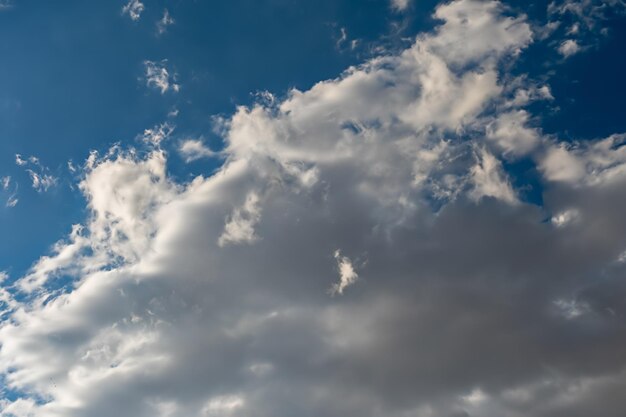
[(158, 76), (134, 9), (568, 48), (9, 191), (211, 297)]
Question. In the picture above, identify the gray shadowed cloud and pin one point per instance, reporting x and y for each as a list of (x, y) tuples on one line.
[(384, 187)]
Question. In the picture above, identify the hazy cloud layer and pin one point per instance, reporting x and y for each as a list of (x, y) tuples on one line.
[(363, 251)]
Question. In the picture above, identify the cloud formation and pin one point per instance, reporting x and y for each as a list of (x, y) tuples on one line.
[(458, 297), (164, 22), (194, 149), (134, 9), (41, 178), (157, 75)]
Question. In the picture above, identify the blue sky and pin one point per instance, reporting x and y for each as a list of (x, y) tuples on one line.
[(270, 207)]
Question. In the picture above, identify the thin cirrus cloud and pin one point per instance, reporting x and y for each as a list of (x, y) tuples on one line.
[(41, 178), (211, 297), (8, 189)]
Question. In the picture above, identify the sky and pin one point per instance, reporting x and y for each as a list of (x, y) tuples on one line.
[(276, 208)]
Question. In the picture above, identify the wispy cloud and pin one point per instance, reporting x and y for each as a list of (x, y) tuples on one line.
[(41, 178), (134, 9), (158, 76), (156, 135), (6, 5), (164, 22), (9, 187)]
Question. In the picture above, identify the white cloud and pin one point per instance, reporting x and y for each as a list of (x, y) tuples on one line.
[(488, 179), (164, 22), (41, 182), (10, 192), (565, 217), (157, 134), (194, 149), (158, 76), (347, 274), (210, 297), (561, 165), (586, 22), (134, 9), (12, 201), (241, 223), (224, 405), (400, 5), (568, 48), (511, 133), (40, 176), (587, 163), (19, 160)]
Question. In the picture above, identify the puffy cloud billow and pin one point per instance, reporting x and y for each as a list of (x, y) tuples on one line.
[(363, 251)]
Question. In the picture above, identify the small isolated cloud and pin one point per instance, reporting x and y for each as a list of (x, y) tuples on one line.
[(347, 274), (9, 191), (40, 176), (12, 201), (580, 21), (565, 218), (164, 22), (400, 5), (343, 42), (568, 48), (133, 9), (194, 149), (157, 134), (42, 182), (224, 406), (158, 76), (19, 160)]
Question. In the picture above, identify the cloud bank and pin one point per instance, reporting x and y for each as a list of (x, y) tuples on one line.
[(386, 187)]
